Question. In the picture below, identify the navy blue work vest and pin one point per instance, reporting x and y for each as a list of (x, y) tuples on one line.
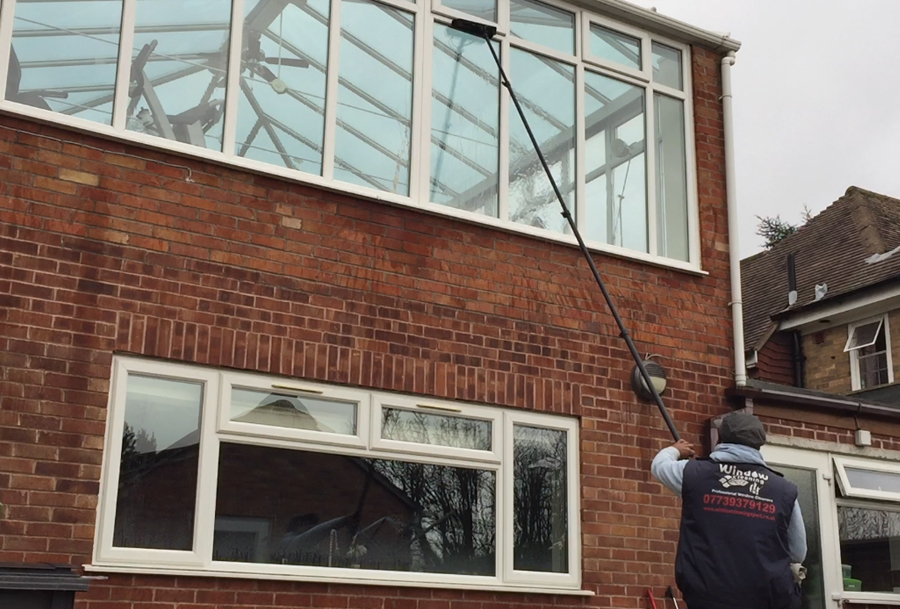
[(733, 551)]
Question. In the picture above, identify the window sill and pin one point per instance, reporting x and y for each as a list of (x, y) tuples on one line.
[(870, 598), (185, 150), (156, 570)]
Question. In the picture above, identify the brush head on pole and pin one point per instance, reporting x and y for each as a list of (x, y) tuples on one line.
[(476, 29)]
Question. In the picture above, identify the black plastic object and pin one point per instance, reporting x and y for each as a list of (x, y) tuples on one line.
[(486, 32), (39, 586)]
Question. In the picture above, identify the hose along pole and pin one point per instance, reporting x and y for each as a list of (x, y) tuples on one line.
[(486, 32)]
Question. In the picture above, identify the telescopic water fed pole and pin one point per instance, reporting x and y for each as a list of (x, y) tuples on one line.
[(487, 32)]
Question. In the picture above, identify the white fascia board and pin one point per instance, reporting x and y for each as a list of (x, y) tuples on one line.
[(660, 24), (858, 307)]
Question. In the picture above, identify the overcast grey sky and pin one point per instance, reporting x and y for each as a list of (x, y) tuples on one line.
[(816, 99)]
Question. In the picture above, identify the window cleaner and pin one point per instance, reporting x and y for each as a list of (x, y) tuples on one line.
[(487, 32)]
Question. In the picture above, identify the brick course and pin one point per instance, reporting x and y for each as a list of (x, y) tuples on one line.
[(107, 248)]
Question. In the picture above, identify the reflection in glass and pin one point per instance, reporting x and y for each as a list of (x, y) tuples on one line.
[(178, 70), (465, 117), (546, 91), (374, 128), (293, 412), (873, 480), (543, 24), (281, 110), (865, 335), (814, 584), (667, 66), (443, 430), (616, 47), (158, 470), (282, 506), (540, 500), (615, 169), (64, 56), (671, 179), (870, 546), (483, 9)]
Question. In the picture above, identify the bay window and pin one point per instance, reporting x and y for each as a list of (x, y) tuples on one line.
[(382, 98), (215, 472)]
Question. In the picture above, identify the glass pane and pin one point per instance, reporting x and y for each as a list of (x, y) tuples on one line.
[(870, 548), (178, 70), (546, 91), (375, 97), (541, 501), (158, 471), (814, 584), (465, 122), (671, 179), (281, 110), (615, 168), (424, 428), (282, 506), (543, 24), (667, 66), (873, 480), (64, 57), (483, 9), (865, 335), (293, 412), (616, 47), (873, 370)]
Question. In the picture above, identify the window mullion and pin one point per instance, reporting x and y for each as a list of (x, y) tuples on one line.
[(580, 151), (123, 69), (331, 89), (233, 78), (418, 158), (7, 16), (426, 102), (503, 156), (208, 470), (652, 178)]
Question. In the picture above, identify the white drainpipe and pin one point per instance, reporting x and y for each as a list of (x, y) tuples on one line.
[(737, 308)]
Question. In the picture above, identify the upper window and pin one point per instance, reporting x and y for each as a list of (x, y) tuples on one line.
[(870, 358), (223, 471), (383, 98)]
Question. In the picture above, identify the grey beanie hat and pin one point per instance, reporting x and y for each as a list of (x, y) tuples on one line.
[(742, 428)]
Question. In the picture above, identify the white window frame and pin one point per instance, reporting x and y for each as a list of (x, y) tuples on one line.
[(216, 428), (826, 465), (425, 13), (884, 326), (840, 465), (258, 382)]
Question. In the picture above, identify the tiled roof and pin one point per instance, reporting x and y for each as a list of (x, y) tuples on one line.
[(849, 246)]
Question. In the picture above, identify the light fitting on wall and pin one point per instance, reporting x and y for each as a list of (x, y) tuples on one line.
[(657, 376)]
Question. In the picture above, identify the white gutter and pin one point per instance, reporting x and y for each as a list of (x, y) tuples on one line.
[(734, 257)]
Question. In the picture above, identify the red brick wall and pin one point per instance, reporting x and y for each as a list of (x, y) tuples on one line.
[(105, 248)]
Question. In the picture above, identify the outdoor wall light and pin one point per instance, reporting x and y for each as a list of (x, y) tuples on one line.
[(657, 376)]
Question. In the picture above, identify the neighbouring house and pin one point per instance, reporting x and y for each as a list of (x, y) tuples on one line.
[(289, 315), (822, 331)]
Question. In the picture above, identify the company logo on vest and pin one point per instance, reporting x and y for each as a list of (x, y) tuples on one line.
[(732, 477)]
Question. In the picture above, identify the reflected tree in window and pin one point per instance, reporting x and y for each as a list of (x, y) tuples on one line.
[(540, 503), (341, 511), (426, 428)]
